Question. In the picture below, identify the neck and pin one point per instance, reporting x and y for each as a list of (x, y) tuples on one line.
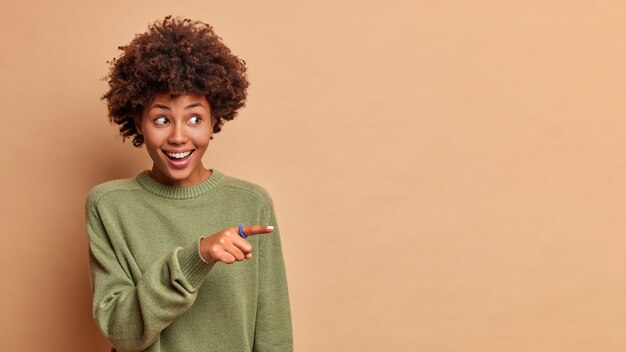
[(196, 177)]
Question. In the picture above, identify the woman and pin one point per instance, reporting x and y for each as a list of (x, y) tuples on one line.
[(183, 258)]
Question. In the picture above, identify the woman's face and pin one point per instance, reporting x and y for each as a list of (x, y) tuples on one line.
[(176, 132)]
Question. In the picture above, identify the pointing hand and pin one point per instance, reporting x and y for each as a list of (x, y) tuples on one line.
[(227, 246)]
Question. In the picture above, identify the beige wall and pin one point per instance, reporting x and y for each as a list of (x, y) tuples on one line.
[(448, 175)]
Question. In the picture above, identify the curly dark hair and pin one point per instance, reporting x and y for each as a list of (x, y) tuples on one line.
[(177, 56)]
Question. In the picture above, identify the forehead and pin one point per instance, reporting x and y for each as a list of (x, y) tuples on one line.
[(182, 99)]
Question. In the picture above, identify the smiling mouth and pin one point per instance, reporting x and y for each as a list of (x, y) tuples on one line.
[(178, 156)]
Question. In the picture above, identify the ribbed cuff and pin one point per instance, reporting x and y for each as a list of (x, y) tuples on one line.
[(193, 267), (199, 253)]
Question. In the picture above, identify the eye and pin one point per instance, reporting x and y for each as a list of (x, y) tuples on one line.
[(195, 119), (161, 120)]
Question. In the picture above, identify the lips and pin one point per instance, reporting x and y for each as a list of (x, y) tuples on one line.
[(179, 160), (179, 155)]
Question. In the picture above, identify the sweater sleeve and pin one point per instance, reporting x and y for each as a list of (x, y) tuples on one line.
[(273, 322), (132, 312)]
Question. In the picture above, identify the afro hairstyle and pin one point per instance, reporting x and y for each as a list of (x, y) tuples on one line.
[(176, 56)]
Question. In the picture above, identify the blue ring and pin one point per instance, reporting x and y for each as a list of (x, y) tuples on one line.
[(241, 232)]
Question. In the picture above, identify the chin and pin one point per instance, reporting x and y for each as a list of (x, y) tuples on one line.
[(180, 177)]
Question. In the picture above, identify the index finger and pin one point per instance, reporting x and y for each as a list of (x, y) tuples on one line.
[(251, 230)]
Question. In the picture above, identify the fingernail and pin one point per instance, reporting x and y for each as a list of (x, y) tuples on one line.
[(270, 227)]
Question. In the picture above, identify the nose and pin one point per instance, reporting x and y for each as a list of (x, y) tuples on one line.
[(177, 135)]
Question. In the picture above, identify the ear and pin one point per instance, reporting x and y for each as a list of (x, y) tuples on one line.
[(214, 119), (138, 124)]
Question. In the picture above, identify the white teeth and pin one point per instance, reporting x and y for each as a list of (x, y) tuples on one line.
[(178, 155)]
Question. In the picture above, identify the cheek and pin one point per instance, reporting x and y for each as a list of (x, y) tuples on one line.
[(201, 138), (153, 150), (153, 141), (154, 136)]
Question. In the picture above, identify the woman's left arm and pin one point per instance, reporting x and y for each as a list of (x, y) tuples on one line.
[(273, 321)]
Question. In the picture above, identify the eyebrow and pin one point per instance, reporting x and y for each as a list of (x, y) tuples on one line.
[(165, 107)]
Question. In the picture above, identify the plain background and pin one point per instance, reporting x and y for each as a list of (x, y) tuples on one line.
[(448, 175)]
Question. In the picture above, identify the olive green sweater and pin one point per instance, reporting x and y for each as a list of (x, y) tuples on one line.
[(151, 289)]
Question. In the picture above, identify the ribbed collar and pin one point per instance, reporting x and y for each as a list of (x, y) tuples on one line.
[(172, 192)]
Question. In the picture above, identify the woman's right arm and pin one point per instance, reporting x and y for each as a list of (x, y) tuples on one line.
[(132, 313)]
